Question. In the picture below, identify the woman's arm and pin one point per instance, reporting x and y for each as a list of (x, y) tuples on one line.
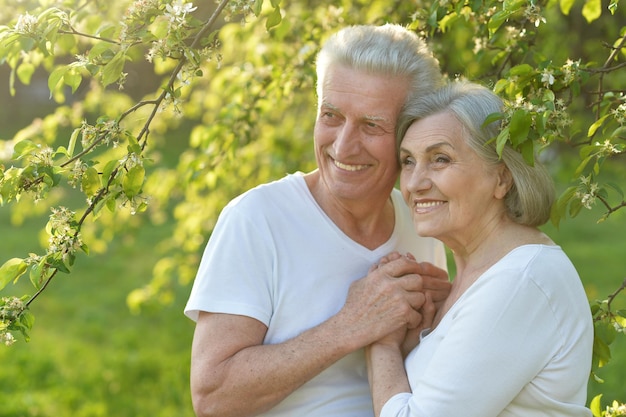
[(386, 373)]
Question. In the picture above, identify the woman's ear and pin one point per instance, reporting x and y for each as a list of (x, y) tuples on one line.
[(505, 182)]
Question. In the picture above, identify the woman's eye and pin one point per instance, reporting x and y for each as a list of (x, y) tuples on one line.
[(441, 159), (406, 160)]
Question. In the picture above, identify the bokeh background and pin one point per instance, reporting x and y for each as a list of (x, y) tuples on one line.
[(92, 354)]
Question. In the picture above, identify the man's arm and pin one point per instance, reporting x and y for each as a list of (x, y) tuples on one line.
[(234, 374)]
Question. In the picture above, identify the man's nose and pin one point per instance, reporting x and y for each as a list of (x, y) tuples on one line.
[(347, 140)]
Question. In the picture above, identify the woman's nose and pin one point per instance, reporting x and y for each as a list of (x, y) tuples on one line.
[(416, 180)]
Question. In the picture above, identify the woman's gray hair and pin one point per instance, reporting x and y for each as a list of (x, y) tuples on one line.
[(389, 50), (532, 194)]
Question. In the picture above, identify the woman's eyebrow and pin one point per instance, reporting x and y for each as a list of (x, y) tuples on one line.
[(439, 145), (429, 148)]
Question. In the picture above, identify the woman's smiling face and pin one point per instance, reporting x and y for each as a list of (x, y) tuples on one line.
[(451, 191)]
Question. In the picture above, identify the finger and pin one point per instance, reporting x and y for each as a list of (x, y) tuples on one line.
[(428, 311), (416, 299), (433, 283), (392, 256), (438, 289), (414, 320), (401, 266), (410, 282), (411, 339), (431, 270)]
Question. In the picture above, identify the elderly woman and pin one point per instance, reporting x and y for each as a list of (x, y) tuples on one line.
[(514, 338)]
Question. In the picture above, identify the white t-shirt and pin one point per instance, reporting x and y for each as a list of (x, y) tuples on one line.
[(275, 256), (518, 342)]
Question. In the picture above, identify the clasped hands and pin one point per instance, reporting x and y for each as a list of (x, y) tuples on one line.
[(395, 301)]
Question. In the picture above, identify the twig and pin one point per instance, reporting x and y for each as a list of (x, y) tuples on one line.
[(614, 294)]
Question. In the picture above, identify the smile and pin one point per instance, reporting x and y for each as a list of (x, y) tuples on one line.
[(428, 204), (349, 167)]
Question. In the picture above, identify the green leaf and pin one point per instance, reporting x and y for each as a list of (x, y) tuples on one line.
[(592, 10), (596, 406), (583, 164), (617, 188), (523, 69), (73, 79), (10, 184), (527, 149), (596, 125), (39, 273), (59, 264), (110, 204), (11, 271), (501, 85), (501, 140), (575, 206), (113, 70), (133, 181), (256, 8), (273, 19), (91, 181), (497, 20), (23, 148), (509, 9), (566, 6), (448, 22), (560, 206), (519, 127), (99, 48), (27, 319), (605, 331), (133, 145), (493, 117), (107, 30), (108, 169), (160, 29), (72, 145), (25, 72), (55, 77)]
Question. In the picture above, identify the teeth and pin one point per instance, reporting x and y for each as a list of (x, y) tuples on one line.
[(428, 204), (350, 167)]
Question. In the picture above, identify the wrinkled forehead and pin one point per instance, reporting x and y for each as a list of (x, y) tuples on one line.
[(343, 83)]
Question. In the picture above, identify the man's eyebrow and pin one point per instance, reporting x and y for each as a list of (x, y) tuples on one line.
[(367, 117), (330, 106), (376, 118)]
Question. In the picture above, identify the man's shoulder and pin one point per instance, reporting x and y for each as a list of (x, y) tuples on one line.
[(270, 193)]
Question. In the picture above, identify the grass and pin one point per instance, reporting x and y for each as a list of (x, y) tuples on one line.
[(597, 250), (90, 357)]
